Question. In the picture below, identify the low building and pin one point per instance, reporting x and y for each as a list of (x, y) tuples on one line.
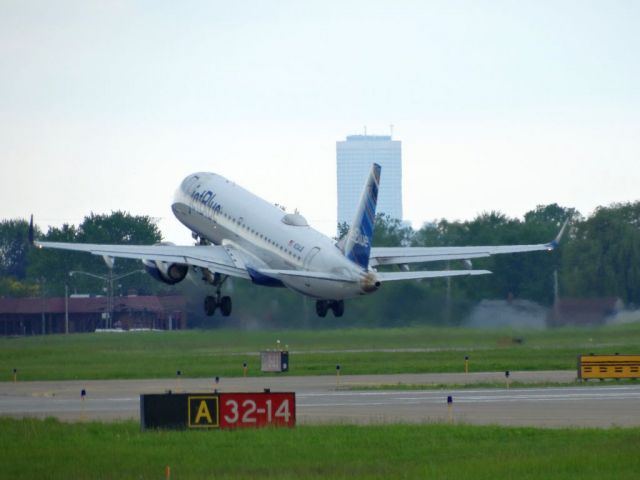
[(37, 316)]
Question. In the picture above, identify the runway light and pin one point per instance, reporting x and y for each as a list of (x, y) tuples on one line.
[(83, 394)]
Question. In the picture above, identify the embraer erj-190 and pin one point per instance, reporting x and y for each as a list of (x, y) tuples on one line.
[(241, 235)]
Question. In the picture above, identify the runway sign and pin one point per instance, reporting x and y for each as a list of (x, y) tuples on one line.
[(257, 409), (608, 366), (222, 410)]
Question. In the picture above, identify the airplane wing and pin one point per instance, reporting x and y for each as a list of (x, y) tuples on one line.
[(216, 258), (405, 255)]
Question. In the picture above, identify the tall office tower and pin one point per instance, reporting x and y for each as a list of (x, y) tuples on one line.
[(354, 159)]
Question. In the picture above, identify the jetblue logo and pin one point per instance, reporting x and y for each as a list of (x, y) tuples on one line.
[(208, 199), (361, 239)]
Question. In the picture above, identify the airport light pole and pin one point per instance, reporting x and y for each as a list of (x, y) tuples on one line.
[(66, 307), (42, 302), (109, 279)]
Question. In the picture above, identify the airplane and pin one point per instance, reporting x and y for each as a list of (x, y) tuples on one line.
[(243, 236)]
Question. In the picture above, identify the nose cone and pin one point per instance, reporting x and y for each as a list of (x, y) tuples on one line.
[(369, 282)]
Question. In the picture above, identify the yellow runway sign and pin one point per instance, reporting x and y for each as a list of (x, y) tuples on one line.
[(608, 366)]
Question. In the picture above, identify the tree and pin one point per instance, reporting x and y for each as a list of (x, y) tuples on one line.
[(115, 228), (603, 258), (391, 232), (14, 248)]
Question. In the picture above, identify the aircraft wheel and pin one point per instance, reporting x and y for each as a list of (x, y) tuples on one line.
[(225, 306), (338, 308), (322, 306), (209, 305)]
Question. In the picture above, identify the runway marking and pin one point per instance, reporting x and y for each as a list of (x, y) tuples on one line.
[(468, 391), (410, 398)]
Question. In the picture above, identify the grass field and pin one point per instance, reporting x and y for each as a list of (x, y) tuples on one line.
[(207, 353), (49, 449)]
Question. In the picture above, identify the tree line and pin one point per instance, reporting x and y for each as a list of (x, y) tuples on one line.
[(598, 256), (28, 271)]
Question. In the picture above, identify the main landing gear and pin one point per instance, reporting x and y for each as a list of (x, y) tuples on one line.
[(211, 303), (323, 306)]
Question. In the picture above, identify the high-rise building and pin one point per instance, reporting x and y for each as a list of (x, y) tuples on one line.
[(354, 159)]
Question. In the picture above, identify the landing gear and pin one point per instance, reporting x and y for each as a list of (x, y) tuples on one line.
[(338, 308), (225, 306), (211, 303), (323, 306)]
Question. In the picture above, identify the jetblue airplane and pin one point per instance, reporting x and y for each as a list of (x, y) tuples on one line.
[(241, 235)]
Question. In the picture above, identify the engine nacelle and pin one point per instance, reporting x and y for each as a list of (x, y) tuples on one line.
[(169, 273)]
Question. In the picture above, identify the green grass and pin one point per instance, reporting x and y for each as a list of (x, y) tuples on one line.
[(49, 449), (207, 353)]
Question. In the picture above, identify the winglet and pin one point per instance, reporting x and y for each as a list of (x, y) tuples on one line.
[(31, 233), (556, 241)]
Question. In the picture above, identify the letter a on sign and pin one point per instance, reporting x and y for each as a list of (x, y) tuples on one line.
[(203, 412)]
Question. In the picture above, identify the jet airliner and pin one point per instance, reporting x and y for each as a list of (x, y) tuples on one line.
[(243, 236)]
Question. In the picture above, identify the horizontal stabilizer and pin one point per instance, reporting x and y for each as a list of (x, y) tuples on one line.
[(393, 276), (281, 274)]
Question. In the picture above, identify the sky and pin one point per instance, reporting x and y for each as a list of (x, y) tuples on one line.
[(500, 105)]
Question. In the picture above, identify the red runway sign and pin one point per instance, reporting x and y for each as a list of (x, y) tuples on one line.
[(257, 409)]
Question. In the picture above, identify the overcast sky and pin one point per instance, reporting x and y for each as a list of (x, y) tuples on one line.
[(500, 105)]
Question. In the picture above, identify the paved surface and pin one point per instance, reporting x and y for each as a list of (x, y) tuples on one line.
[(325, 399)]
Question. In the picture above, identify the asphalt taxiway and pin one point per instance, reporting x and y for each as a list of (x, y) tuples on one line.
[(350, 399)]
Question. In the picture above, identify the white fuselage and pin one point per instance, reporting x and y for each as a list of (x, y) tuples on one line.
[(267, 238)]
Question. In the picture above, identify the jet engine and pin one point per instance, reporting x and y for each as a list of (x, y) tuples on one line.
[(169, 273)]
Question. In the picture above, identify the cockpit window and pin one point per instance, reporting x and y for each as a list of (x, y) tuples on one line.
[(188, 182)]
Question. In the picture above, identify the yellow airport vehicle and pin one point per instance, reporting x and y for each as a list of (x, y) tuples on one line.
[(608, 366)]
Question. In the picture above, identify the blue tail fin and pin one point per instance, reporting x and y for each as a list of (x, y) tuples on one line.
[(357, 246)]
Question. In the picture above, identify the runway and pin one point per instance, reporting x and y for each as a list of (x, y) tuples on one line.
[(329, 399)]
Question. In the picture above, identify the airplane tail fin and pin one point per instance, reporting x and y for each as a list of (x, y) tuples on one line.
[(357, 245)]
